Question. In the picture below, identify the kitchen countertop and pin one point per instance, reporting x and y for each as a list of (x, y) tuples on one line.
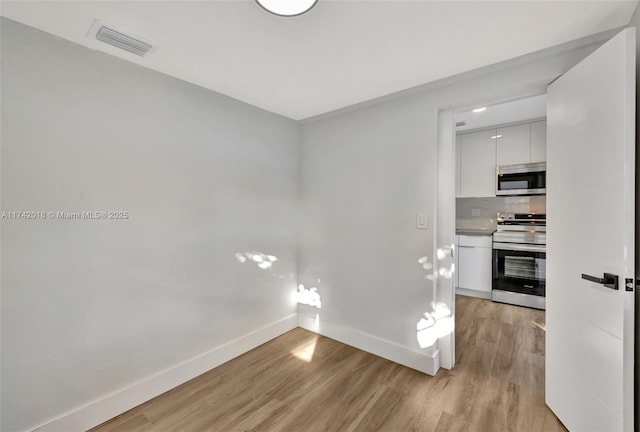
[(475, 231)]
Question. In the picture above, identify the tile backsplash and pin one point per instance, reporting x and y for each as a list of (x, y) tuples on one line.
[(480, 213)]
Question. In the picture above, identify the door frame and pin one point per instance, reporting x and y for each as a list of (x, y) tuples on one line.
[(445, 208)]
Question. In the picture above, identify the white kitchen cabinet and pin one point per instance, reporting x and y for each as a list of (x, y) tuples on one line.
[(478, 154), (523, 143), (474, 265), (513, 145), (539, 141), (478, 164)]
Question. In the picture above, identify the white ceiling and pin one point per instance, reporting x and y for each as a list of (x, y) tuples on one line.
[(339, 54), (509, 112)]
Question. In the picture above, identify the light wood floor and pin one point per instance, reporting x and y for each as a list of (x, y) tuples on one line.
[(304, 382)]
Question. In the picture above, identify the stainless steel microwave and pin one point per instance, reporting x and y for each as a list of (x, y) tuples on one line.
[(523, 179)]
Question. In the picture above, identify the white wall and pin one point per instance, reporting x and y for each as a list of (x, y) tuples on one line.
[(90, 307), (366, 172)]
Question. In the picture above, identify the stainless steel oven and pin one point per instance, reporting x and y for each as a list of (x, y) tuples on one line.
[(524, 179), (519, 260)]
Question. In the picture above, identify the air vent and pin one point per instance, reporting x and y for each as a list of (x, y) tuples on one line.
[(117, 38)]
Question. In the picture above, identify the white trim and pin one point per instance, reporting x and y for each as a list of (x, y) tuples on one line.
[(444, 228), (107, 407), (474, 293), (372, 344)]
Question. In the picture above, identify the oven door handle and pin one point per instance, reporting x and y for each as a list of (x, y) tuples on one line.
[(520, 247)]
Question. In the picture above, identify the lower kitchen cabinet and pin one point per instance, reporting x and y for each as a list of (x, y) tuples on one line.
[(473, 265)]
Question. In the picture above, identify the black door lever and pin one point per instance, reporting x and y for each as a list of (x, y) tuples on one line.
[(609, 280)]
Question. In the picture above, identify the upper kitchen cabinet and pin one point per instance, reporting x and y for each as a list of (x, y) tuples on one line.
[(539, 141), (478, 164), (513, 145), (523, 143)]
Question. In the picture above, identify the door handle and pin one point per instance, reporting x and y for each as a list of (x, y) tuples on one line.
[(609, 280)]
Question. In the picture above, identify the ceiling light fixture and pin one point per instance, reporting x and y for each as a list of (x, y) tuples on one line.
[(496, 136), (287, 8), (477, 110)]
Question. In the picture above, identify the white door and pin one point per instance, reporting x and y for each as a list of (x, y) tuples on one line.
[(590, 208)]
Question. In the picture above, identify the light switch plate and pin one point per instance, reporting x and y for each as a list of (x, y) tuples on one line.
[(421, 221)]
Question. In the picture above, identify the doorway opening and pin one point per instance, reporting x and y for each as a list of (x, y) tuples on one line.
[(590, 126), (499, 247), (500, 190)]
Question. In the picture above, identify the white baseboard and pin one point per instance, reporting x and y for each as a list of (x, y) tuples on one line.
[(366, 342), (103, 409), (474, 293)]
